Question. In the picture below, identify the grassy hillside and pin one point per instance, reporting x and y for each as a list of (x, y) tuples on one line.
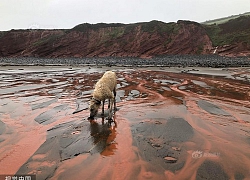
[(233, 31), (225, 19)]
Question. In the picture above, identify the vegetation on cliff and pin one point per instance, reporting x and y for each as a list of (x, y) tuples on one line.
[(233, 31)]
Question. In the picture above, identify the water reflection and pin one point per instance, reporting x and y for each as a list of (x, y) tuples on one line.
[(104, 135)]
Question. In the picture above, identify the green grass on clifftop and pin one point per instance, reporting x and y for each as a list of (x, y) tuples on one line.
[(224, 19)]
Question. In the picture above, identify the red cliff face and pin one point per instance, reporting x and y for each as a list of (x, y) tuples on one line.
[(18, 42), (103, 40), (191, 38), (241, 49)]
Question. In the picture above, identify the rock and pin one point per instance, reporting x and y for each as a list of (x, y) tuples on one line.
[(212, 108), (135, 93), (158, 122), (156, 145), (176, 148), (170, 159)]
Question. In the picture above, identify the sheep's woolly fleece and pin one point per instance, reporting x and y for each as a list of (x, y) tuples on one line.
[(105, 86)]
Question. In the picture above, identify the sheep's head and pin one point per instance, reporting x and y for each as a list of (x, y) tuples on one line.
[(93, 107)]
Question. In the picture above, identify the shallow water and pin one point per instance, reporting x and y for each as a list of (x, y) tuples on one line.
[(169, 125)]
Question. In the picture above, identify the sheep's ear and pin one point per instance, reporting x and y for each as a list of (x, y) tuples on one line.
[(98, 102)]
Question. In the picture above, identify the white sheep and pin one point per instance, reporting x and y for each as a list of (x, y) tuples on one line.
[(105, 88)]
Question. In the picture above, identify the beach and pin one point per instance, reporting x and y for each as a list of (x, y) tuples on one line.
[(171, 123)]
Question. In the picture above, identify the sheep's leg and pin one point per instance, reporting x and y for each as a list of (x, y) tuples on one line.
[(110, 109), (109, 104), (103, 120), (103, 108), (115, 108)]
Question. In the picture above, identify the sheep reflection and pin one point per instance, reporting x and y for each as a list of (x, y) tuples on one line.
[(104, 136)]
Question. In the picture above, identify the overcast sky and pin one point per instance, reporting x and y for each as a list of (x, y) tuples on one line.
[(64, 14)]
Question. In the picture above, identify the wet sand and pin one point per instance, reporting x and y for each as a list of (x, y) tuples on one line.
[(171, 123)]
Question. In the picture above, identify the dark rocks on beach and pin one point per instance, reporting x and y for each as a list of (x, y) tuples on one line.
[(214, 61)]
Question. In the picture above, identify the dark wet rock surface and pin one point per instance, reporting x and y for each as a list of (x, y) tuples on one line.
[(212, 108), (239, 176), (80, 106), (43, 104), (170, 159), (46, 160), (66, 141), (48, 116), (155, 139), (211, 170), (2, 127)]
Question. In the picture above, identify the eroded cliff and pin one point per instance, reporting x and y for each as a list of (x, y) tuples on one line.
[(125, 40)]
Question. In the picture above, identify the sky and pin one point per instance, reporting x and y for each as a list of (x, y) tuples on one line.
[(65, 14)]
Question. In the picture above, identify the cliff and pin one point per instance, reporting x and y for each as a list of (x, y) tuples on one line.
[(127, 40), (231, 38)]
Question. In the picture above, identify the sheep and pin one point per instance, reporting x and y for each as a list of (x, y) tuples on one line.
[(103, 90)]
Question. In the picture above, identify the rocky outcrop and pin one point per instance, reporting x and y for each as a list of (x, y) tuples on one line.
[(121, 40), (241, 49)]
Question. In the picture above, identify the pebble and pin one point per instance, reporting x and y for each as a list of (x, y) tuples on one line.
[(214, 61), (156, 145), (176, 148), (170, 159)]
